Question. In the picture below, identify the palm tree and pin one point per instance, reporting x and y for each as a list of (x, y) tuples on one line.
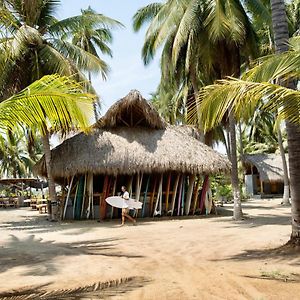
[(16, 159), (93, 33), (32, 45), (53, 104), (208, 38), (281, 36)]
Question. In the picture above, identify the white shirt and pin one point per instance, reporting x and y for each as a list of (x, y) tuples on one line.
[(125, 195)]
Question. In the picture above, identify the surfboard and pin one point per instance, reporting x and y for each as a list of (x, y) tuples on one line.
[(183, 195), (79, 198), (180, 195), (168, 193), (174, 194), (116, 201), (192, 179), (119, 202), (152, 197), (145, 196), (102, 206), (204, 191)]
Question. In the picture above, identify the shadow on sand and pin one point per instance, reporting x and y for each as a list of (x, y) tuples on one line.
[(39, 256)]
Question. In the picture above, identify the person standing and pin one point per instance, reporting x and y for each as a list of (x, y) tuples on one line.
[(125, 196)]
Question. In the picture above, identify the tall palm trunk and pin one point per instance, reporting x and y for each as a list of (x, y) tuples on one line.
[(237, 211), (281, 35), (95, 101), (286, 181), (51, 184)]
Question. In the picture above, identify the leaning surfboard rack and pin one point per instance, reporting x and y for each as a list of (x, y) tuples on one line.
[(167, 194)]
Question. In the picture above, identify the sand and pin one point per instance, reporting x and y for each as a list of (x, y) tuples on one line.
[(195, 258)]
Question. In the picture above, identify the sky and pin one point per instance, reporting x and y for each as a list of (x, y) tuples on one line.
[(127, 69)]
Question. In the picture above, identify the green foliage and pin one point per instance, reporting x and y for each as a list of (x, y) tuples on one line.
[(34, 43), (221, 187), (53, 103)]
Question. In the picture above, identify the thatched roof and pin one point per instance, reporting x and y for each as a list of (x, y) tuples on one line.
[(269, 166), (132, 111), (118, 146)]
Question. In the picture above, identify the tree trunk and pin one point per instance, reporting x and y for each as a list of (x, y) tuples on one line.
[(286, 191), (281, 35), (237, 211), (51, 184), (196, 94), (95, 101)]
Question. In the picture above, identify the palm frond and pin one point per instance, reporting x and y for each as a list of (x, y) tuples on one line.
[(81, 58), (145, 14), (242, 97), (52, 101)]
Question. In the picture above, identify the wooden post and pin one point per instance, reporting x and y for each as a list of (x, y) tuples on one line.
[(261, 187), (67, 200), (174, 193), (192, 179), (168, 192)]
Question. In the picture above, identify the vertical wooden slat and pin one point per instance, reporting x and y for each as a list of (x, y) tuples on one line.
[(192, 179), (68, 197), (175, 193)]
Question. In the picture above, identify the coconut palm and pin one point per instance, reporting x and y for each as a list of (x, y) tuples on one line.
[(32, 45), (93, 33), (50, 104), (16, 161), (210, 38), (242, 97), (281, 36)]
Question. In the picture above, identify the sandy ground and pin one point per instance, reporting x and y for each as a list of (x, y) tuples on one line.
[(196, 258)]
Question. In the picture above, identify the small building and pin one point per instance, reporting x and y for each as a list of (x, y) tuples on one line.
[(161, 165), (263, 174)]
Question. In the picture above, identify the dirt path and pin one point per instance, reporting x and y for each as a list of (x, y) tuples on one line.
[(206, 258)]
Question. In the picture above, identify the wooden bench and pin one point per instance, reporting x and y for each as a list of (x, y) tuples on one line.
[(42, 206)]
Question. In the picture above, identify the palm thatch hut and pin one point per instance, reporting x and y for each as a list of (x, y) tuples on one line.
[(264, 174), (161, 165)]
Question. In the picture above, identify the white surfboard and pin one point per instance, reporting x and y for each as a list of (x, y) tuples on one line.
[(119, 202), (133, 204), (116, 201)]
